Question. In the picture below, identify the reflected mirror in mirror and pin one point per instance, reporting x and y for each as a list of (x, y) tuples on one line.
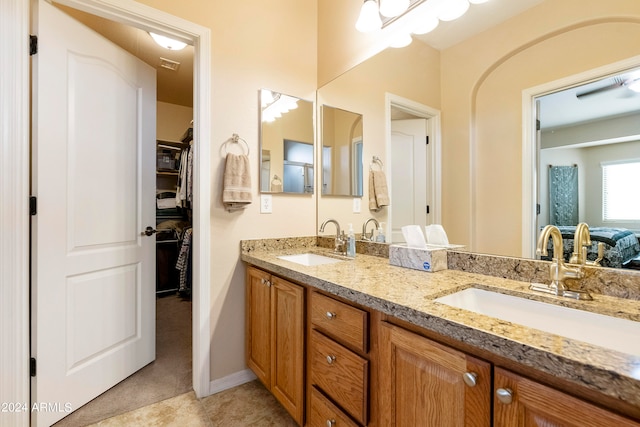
[(341, 152), (286, 144)]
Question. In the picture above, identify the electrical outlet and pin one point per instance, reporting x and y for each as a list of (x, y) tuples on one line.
[(356, 205), (266, 203)]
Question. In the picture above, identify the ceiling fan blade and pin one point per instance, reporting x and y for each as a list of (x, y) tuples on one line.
[(616, 85)]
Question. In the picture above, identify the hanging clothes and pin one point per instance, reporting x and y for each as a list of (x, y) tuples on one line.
[(183, 263)]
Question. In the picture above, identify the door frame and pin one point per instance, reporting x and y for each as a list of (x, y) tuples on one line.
[(14, 185), (530, 152), (434, 131)]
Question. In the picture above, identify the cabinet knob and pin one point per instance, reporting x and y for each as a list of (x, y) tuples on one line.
[(504, 395), (331, 423), (470, 378), (265, 282), (331, 359), (331, 315)]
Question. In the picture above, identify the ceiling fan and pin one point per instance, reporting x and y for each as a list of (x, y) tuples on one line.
[(631, 83)]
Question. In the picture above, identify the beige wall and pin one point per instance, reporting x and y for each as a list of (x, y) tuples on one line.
[(250, 51), (413, 73), (172, 121), (482, 83)]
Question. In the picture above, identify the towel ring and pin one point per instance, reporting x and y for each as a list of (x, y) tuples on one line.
[(376, 161), (235, 139)]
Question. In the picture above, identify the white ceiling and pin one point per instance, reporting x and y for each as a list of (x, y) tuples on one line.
[(611, 98)]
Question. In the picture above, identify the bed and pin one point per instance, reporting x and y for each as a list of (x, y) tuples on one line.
[(621, 246)]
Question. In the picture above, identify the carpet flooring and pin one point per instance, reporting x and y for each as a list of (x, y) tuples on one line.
[(170, 375)]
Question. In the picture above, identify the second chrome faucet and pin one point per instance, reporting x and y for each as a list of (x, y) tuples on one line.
[(340, 243)]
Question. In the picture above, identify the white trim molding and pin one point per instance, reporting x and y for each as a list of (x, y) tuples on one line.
[(230, 381), (530, 151), (14, 209)]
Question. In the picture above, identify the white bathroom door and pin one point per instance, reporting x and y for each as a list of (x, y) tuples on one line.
[(409, 189), (93, 172)]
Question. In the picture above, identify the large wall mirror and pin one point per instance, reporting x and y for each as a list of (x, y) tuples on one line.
[(341, 152), (484, 104), (286, 144)]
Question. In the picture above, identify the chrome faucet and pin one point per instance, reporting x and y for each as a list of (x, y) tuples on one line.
[(340, 243), (364, 229), (558, 270)]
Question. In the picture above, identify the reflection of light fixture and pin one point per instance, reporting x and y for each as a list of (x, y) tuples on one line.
[(274, 104), (369, 19), (391, 8), (167, 43)]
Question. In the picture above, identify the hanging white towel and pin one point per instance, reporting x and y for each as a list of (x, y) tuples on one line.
[(378, 191), (236, 193)]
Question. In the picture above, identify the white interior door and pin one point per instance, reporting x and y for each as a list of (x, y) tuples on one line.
[(93, 283), (409, 171)]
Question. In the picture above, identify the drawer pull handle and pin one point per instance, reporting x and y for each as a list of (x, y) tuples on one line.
[(331, 315), (331, 423), (331, 359), (470, 378), (505, 395), (265, 282)]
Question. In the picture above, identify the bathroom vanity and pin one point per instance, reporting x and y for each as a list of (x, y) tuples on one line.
[(369, 346)]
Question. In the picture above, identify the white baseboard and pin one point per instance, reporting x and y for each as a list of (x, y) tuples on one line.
[(231, 381)]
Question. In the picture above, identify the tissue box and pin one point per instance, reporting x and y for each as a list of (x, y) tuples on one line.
[(429, 259)]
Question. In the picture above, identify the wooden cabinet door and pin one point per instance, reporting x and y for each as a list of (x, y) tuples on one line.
[(422, 383), (534, 405), (258, 324), (287, 346)]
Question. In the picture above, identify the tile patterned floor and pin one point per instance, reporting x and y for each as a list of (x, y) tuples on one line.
[(249, 404)]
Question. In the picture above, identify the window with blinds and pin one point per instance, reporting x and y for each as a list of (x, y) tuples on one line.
[(620, 200)]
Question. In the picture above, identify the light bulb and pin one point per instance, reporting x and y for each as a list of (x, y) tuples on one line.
[(369, 19), (392, 8), (167, 43), (454, 9), (401, 40), (478, 1)]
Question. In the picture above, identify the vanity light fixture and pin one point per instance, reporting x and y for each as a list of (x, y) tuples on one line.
[(369, 19), (391, 8), (167, 42), (415, 17), (274, 105)]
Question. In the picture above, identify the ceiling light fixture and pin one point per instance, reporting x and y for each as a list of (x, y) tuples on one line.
[(454, 9), (167, 42)]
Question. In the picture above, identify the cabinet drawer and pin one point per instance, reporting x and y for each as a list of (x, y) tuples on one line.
[(345, 323), (340, 374), (326, 414)]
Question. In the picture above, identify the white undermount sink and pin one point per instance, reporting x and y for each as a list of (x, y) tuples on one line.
[(605, 331), (310, 259)]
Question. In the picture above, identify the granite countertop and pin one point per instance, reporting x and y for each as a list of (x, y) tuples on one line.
[(409, 295)]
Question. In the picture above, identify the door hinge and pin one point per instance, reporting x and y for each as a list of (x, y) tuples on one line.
[(427, 139), (427, 208), (537, 208), (33, 205), (33, 45), (538, 127), (32, 366)]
